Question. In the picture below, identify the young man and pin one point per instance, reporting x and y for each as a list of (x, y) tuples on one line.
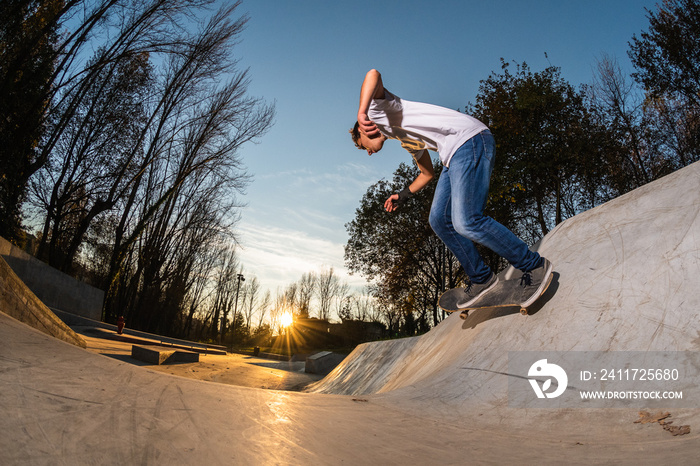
[(466, 149)]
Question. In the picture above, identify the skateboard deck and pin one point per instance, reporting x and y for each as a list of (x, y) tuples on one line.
[(507, 293)]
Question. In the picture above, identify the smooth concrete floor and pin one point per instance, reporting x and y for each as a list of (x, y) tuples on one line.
[(67, 405)]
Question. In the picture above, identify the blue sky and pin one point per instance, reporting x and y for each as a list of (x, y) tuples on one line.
[(310, 56)]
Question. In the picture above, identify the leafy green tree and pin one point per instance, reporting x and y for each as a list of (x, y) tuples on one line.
[(549, 149), (667, 63), (667, 56), (676, 125), (400, 252), (28, 33)]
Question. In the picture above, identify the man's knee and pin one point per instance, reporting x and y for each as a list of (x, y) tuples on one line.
[(470, 227), (437, 221)]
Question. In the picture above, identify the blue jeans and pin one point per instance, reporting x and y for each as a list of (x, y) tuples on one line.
[(457, 215)]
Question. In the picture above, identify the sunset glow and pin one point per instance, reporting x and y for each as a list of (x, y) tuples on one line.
[(287, 319)]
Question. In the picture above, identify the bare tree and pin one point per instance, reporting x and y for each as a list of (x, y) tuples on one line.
[(89, 164), (264, 307), (250, 298), (190, 141), (291, 298), (278, 308), (366, 308), (306, 288), (343, 300), (326, 289), (142, 151), (225, 292), (200, 277), (622, 103)]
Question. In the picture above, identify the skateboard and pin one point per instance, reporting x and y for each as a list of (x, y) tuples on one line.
[(507, 293)]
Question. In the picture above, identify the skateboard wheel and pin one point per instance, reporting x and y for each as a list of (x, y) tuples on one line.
[(463, 315), (523, 311)]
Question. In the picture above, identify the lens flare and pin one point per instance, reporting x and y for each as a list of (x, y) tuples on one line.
[(287, 319)]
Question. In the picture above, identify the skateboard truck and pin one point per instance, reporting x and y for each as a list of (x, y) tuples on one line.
[(465, 313)]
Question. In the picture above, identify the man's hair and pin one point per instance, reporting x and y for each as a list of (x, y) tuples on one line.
[(355, 132)]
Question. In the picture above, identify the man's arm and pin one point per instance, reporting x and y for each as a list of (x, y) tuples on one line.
[(372, 88), (425, 164)]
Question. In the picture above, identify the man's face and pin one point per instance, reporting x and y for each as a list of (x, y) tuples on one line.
[(371, 144)]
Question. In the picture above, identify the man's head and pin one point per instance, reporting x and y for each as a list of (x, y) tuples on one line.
[(371, 144)]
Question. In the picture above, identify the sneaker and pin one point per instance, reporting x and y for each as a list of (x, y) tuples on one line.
[(474, 291), (534, 282)]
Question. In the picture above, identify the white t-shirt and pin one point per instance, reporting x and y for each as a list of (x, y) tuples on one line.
[(422, 126)]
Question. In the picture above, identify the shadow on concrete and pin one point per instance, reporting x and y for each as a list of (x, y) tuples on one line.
[(126, 358), (283, 366)]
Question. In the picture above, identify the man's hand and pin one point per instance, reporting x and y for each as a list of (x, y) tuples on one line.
[(367, 127), (391, 204), (396, 200)]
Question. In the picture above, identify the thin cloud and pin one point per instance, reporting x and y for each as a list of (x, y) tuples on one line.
[(279, 256)]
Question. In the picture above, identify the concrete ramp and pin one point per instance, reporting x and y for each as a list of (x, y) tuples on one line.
[(627, 275), (18, 301)]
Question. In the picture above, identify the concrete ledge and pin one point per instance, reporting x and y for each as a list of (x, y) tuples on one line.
[(274, 357), (158, 355), (322, 363), (156, 342), (18, 301)]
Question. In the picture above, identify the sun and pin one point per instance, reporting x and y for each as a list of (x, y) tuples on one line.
[(287, 319)]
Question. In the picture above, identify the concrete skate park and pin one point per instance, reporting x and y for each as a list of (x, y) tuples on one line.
[(626, 283)]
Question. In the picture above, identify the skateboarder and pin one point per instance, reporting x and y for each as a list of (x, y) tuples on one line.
[(466, 149)]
